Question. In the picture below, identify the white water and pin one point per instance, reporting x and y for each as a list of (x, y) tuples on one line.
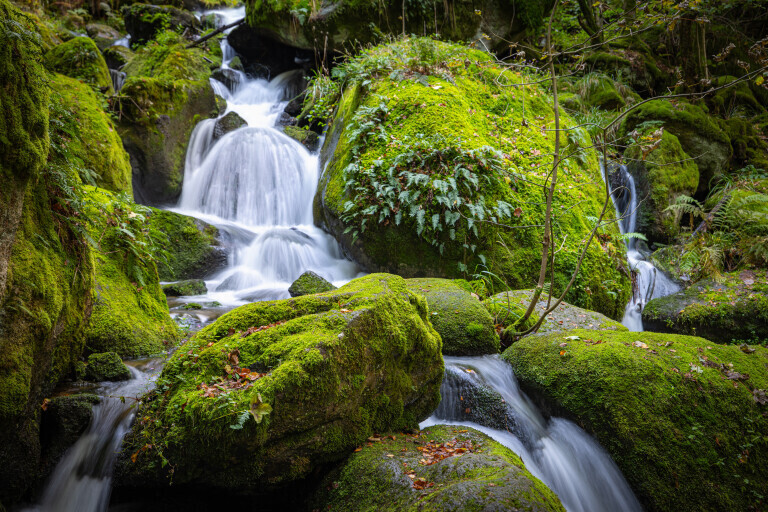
[(82, 479), (651, 283), (557, 451), (258, 185)]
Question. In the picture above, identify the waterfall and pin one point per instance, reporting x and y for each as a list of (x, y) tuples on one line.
[(118, 79), (82, 479), (257, 180), (567, 459), (650, 283)]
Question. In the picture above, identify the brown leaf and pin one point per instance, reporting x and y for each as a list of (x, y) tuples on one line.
[(44, 405), (518, 212)]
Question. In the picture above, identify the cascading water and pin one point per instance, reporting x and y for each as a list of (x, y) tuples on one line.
[(556, 451), (259, 182), (82, 479), (650, 283)]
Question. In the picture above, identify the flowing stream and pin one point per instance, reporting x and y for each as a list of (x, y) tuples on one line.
[(650, 283), (567, 459)]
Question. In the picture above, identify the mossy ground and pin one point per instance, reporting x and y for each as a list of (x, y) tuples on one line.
[(434, 89), (487, 477), (330, 370), (678, 414), (80, 58), (466, 327)]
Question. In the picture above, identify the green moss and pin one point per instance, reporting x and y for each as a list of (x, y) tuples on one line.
[(682, 428), (117, 56), (309, 283), (461, 106), (80, 58), (167, 59), (721, 312), (128, 318), (661, 177), (487, 477), (461, 320), (306, 137), (188, 287), (333, 367), (191, 246), (106, 366), (89, 136)]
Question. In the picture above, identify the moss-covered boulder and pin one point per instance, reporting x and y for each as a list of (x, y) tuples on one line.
[(192, 247), (307, 138), (63, 421), (734, 310), (660, 178), (683, 418), (461, 320), (273, 390), (144, 21), (106, 366), (117, 56), (130, 313), (96, 146), (103, 35), (509, 307), (309, 283), (477, 473), (188, 287), (227, 123), (80, 58), (422, 173), (165, 94), (700, 136)]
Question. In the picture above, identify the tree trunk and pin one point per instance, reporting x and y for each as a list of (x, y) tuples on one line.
[(693, 49)]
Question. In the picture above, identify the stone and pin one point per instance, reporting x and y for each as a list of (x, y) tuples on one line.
[(106, 366), (228, 123), (309, 283), (182, 288), (307, 138)]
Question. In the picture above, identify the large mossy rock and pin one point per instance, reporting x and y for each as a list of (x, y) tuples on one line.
[(193, 249), (228, 123), (144, 21), (117, 56), (480, 475), (273, 390), (700, 136), (683, 418), (106, 366), (130, 313), (165, 94), (46, 274), (463, 323), (509, 307), (735, 310), (97, 145), (396, 137), (660, 178), (80, 58), (309, 283)]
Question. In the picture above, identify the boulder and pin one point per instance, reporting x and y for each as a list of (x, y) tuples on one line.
[(188, 287), (194, 249), (80, 58), (309, 283), (103, 35), (228, 123), (106, 366), (390, 474), (306, 381), (674, 412), (307, 138), (734, 310), (660, 178), (236, 64), (63, 421), (229, 77), (464, 398), (144, 21), (409, 230), (463, 323), (264, 56), (117, 56)]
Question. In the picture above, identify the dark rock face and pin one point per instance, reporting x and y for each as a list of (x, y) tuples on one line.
[(103, 35), (144, 21), (465, 399), (229, 77), (260, 54), (63, 421), (309, 283), (226, 124)]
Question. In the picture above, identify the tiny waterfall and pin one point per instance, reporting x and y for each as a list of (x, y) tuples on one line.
[(258, 181), (650, 283), (82, 479), (118, 79), (557, 451)]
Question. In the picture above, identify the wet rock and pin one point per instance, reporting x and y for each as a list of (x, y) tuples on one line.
[(465, 398), (229, 77), (117, 56), (285, 119), (103, 35), (236, 64), (309, 283), (106, 366), (63, 421), (271, 55), (293, 108), (188, 287), (307, 138), (144, 21), (229, 123), (464, 324)]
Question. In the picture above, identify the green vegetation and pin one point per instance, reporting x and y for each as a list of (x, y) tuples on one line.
[(188, 287), (481, 475), (682, 417), (106, 366), (80, 58)]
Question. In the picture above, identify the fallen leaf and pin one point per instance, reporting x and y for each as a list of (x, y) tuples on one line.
[(640, 344)]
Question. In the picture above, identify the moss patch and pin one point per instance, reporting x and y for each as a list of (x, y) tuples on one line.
[(309, 283), (188, 287), (80, 58), (106, 366), (676, 413)]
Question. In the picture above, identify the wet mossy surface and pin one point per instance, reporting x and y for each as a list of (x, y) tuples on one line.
[(309, 283), (327, 371), (681, 416), (486, 476), (106, 366), (80, 58), (188, 287), (734, 310), (463, 323)]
